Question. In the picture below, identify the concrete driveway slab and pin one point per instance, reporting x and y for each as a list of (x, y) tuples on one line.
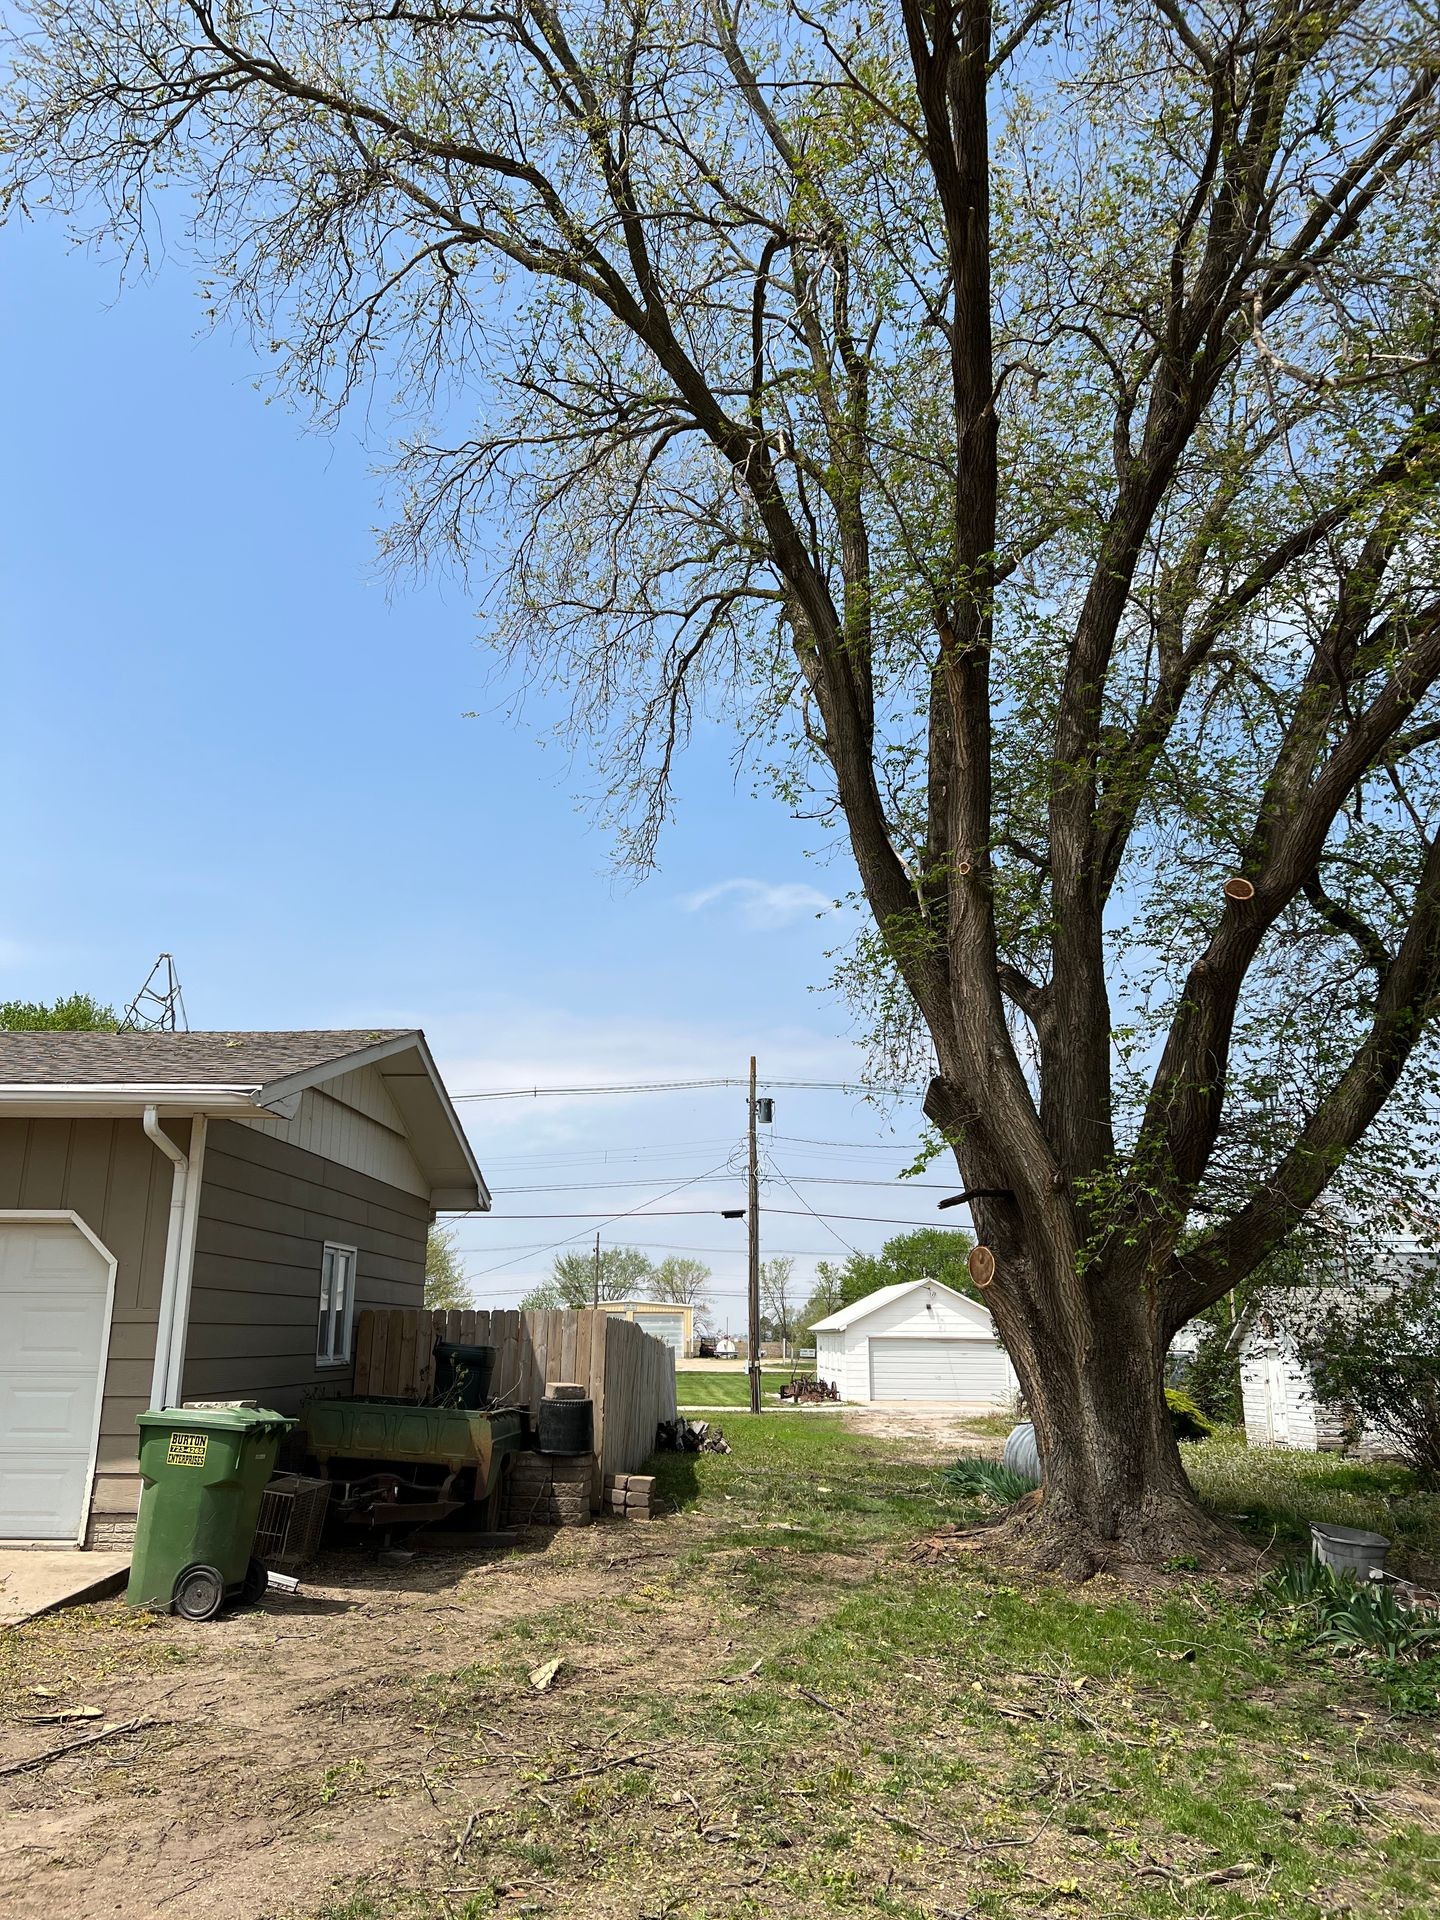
[(37, 1579)]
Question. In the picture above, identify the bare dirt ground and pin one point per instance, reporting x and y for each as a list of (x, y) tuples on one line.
[(256, 1763), (940, 1426), (276, 1752), (795, 1698)]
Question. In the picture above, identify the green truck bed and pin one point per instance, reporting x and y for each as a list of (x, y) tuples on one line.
[(394, 1434)]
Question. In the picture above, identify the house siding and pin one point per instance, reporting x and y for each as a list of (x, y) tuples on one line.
[(119, 1183), (266, 1209), (353, 1121)]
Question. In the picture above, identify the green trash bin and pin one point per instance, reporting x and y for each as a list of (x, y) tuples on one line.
[(204, 1471)]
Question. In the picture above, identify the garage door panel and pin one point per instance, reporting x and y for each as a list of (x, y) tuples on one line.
[(44, 1411), (920, 1369), (52, 1333), (669, 1327), (31, 1496), (53, 1293)]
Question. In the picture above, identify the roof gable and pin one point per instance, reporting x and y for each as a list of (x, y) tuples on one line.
[(886, 1296), (240, 1073)]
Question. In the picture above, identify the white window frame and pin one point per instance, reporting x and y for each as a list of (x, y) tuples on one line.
[(327, 1323)]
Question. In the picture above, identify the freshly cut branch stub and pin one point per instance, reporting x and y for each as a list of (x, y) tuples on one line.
[(1239, 888), (981, 1262)]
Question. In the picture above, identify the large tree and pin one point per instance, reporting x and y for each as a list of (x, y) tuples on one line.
[(925, 1253), (445, 1284), (1021, 422), (683, 1281), (625, 1273)]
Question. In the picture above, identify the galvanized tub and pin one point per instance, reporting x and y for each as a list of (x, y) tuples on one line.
[(1349, 1549)]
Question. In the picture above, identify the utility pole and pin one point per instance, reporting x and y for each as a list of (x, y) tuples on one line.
[(752, 1214), (597, 1269)]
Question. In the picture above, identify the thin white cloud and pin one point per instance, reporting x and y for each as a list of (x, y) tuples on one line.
[(515, 1044), (763, 904)]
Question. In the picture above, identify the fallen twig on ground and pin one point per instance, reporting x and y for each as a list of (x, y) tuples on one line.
[(820, 1701), (604, 1766), (73, 1746)]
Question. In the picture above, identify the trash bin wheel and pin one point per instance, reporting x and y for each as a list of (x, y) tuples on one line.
[(257, 1579), (199, 1594)]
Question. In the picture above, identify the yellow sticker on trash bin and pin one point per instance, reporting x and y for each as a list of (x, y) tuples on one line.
[(187, 1449)]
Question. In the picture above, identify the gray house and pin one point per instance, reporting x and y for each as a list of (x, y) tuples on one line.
[(197, 1216)]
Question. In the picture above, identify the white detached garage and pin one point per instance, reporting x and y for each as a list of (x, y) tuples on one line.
[(918, 1340)]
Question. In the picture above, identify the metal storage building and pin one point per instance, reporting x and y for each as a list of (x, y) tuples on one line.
[(670, 1321)]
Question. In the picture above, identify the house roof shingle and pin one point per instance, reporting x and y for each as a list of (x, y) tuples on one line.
[(176, 1059)]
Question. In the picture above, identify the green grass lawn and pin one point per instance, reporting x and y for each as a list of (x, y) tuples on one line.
[(1274, 1492), (797, 1708), (725, 1389)]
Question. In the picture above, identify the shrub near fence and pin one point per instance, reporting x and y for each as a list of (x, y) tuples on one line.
[(629, 1374)]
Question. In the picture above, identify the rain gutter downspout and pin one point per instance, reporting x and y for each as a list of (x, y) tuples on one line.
[(185, 1264), (165, 1320)]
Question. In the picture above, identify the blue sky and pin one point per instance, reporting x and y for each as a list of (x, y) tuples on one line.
[(227, 735)]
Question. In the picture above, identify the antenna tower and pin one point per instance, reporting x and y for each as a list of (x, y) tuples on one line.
[(159, 1006)]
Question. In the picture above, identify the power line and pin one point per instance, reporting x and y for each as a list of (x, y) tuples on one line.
[(708, 1213), (809, 1209), (593, 1218), (675, 1086), (615, 1156), (805, 1179), (858, 1146), (604, 1155), (652, 1246)]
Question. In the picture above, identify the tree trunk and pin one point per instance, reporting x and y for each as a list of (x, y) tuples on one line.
[(1115, 1491)]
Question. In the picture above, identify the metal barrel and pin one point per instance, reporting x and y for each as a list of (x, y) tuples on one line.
[(1022, 1456)]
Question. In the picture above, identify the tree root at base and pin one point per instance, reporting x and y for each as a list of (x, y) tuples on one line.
[(1169, 1536)]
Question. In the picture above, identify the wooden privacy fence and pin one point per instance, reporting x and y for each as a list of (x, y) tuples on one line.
[(628, 1374)]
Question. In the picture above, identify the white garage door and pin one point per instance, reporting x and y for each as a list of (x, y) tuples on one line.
[(669, 1327), (937, 1370), (53, 1286)]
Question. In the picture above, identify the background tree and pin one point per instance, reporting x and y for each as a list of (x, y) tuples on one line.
[(824, 1298), (777, 1300), (927, 1253), (1374, 1352), (1024, 428), (682, 1281), (625, 1274), (445, 1282), (72, 1013)]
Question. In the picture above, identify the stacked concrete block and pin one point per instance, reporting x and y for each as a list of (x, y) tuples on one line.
[(630, 1496), (550, 1490), (110, 1532)]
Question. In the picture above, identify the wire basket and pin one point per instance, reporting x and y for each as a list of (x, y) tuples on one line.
[(292, 1519)]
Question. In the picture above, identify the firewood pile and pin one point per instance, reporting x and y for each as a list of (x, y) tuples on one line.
[(689, 1436)]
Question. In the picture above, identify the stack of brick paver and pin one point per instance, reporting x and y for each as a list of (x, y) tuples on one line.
[(550, 1490), (630, 1496)]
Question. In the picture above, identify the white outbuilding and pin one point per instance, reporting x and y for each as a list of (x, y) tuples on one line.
[(918, 1340)]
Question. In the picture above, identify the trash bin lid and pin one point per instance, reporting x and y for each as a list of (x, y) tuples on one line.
[(216, 1419)]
